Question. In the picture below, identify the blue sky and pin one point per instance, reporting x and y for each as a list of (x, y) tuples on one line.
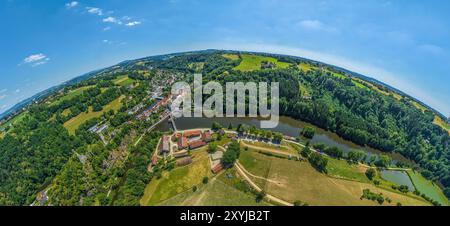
[(403, 43)]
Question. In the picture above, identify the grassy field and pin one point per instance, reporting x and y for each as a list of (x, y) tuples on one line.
[(123, 80), (253, 62), (13, 122), (231, 56), (427, 187), (76, 121), (438, 121), (177, 181), (215, 193), (306, 67), (295, 180), (342, 169), (71, 94)]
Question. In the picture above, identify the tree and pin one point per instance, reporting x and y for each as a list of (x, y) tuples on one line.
[(371, 173), (260, 196), (216, 126), (212, 147), (305, 152), (318, 161), (308, 132), (232, 153), (383, 161), (205, 180)]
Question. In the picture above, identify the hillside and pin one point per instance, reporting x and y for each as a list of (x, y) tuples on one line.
[(86, 142)]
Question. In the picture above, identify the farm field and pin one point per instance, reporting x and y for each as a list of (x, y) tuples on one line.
[(231, 56), (76, 121), (294, 180), (253, 62), (427, 187), (342, 169), (71, 94), (177, 181), (123, 80), (215, 193), (438, 121)]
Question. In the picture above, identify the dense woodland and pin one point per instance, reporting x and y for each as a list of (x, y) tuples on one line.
[(39, 151)]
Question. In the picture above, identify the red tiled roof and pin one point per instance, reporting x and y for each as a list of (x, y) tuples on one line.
[(196, 144), (193, 133), (183, 143), (217, 168)]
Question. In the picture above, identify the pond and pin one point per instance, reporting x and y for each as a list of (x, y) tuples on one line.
[(287, 126), (398, 177)]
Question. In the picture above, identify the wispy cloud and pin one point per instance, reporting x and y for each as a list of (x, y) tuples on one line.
[(94, 10), (3, 96), (36, 59), (430, 48), (71, 4), (315, 25), (112, 19), (133, 23), (3, 90)]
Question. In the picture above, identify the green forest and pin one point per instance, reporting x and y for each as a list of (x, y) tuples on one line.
[(38, 153)]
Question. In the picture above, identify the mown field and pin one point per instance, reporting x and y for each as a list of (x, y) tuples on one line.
[(215, 193), (76, 121), (123, 80), (438, 121), (71, 94), (177, 181), (253, 62), (427, 187), (295, 180)]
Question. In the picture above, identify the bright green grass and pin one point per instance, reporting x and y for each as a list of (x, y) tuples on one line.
[(71, 94), (231, 56), (215, 193), (427, 187), (14, 120), (306, 67), (342, 169), (123, 80), (177, 181), (76, 121), (253, 62)]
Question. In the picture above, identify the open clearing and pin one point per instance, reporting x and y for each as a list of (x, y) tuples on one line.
[(253, 62), (438, 121), (177, 181), (76, 121), (71, 94), (123, 80), (296, 180), (231, 56), (215, 193), (427, 187)]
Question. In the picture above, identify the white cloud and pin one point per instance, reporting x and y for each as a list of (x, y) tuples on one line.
[(35, 60), (106, 41), (315, 25), (106, 28), (111, 19), (71, 4), (94, 10), (133, 23), (3, 106), (17, 90), (2, 96)]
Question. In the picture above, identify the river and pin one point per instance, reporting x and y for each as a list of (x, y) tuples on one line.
[(287, 126)]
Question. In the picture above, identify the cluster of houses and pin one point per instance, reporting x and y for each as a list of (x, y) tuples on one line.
[(192, 139), (154, 107), (180, 143)]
